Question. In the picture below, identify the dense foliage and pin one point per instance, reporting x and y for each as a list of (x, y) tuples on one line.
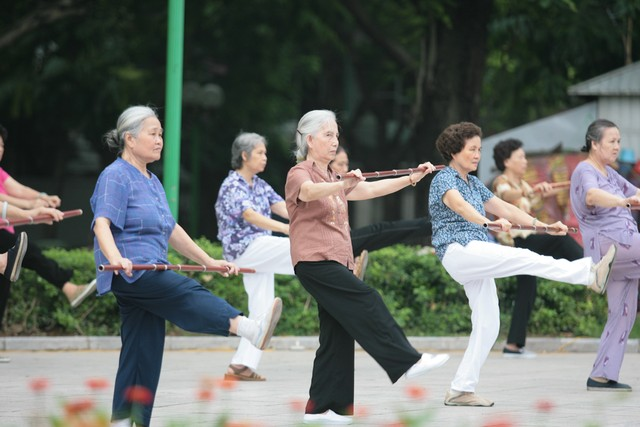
[(420, 294), (396, 72)]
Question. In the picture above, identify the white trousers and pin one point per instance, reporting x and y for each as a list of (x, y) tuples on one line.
[(476, 266), (268, 255)]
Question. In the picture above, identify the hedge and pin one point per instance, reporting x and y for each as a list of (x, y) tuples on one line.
[(420, 294)]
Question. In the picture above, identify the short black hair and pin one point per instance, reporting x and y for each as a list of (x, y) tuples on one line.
[(503, 149), (4, 133)]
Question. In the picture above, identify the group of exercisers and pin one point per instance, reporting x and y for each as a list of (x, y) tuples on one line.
[(132, 224)]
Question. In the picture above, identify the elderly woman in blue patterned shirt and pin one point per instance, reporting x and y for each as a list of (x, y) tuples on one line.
[(458, 202), (243, 209), (133, 224)]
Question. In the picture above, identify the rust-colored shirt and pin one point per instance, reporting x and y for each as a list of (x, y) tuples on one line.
[(318, 230)]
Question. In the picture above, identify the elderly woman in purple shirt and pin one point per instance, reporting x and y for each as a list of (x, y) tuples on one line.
[(243, 210), (600, 199), (133, 224)]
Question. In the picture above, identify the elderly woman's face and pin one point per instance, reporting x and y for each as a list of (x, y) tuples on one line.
[(517, 162), (324, 143), (257, 161), (147, 145), (468, 158), (608, 147)]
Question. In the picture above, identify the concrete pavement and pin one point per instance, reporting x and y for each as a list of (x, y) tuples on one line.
[(546, 391)]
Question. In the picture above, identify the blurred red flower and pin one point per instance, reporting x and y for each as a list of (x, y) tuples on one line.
[(39, 384), (205, 394), (499, 423), (138, 394), (97, 383), (544, 405), (78, 406), (416, 392)]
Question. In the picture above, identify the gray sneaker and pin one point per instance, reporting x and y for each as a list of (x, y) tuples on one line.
[(465, 398), (602, 271)]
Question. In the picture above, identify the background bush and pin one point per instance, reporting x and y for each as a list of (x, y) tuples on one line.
[(416, 288)]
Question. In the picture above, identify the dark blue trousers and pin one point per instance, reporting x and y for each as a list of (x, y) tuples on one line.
[(145, 305), (349, 310)]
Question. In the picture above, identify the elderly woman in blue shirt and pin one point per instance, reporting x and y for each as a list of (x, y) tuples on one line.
[(458, 203), (243, 209), (133, 225)]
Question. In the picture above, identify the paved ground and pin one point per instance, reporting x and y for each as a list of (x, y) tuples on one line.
[(546, 391)]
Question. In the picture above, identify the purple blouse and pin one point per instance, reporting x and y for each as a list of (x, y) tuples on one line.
[(141, 221), (234, 197), (616, 224)]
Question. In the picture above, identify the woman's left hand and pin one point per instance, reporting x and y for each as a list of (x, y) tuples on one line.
[(423, 170)]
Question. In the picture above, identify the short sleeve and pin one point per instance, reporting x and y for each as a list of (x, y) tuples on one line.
[(110, 198), (295, 178)]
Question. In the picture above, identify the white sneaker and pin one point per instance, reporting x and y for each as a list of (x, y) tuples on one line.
[(328, 417), (268, 325), (426, 363)]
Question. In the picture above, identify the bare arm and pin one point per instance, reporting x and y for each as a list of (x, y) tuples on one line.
[(280, 209), (182, 243), (107, 245), (370, 190), (264, 222), (310, 191), (604, 199), (454, 201), (20, 191)]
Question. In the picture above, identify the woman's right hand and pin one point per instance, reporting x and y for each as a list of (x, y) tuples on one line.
[(632, 201), (504, 224), (125, 264), (55, 214)]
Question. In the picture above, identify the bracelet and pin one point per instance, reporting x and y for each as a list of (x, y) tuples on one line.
[(413, 184), (534, 222), (42, 195), (5, 205)]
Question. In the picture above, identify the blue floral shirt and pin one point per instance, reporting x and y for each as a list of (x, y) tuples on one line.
[(141, 221), (234, 197), (448, 226)]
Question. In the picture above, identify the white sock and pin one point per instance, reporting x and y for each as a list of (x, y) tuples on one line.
[(247, 328), (121, 423)]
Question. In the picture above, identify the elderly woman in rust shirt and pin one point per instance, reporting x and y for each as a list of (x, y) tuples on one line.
[(321, 253)]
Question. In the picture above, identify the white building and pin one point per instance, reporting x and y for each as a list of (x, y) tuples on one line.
[(614, 96)]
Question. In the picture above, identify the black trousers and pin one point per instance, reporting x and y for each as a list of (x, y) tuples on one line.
[(387, 233), (34, 260), (544, 244), (349, 310)]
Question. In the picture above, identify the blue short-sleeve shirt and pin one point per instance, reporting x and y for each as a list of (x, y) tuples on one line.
[(141, 221), (234, 197), (448, 226)]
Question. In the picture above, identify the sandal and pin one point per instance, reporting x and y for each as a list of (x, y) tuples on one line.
[(243, 373)]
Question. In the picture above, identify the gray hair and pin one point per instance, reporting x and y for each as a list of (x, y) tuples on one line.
[(595, 132), (130, 121), (309, 124), (245, 142)]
